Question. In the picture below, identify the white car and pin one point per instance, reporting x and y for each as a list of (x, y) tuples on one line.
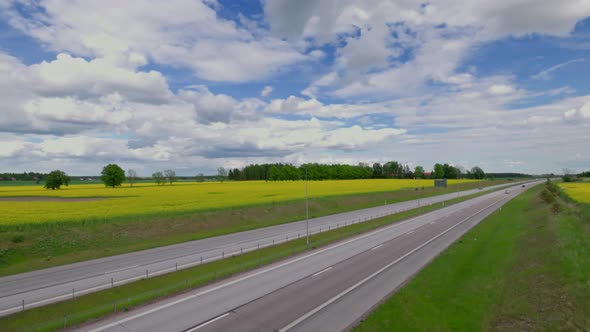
[(507, 192)]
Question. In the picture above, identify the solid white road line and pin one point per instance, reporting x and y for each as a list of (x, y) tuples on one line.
[(358, 284), (208, 322), (322, 271), (377, 247), (410, 232), (121, 269)]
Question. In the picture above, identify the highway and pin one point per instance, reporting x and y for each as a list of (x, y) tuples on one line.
[(327, 289), (37, 288)]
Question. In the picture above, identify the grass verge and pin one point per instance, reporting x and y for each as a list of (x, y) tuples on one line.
[(524, 268), (31, 247), (88, 307)]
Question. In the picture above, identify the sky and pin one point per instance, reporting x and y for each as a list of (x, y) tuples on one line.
[(192, 85)]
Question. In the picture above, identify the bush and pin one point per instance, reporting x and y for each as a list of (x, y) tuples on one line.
[(547, 196), (556, 207), (18, 238), (552, 187)]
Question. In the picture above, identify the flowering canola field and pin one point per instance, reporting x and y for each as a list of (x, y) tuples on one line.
[(579, 191), (148, 199)]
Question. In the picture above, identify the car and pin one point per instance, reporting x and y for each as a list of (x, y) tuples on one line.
[(507, 192), (523, 185)]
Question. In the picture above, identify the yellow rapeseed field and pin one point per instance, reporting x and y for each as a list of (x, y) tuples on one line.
[(578, 191), (149, 199)]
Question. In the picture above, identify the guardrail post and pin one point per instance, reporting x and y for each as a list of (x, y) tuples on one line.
[(222, 254), (112, 283), (146, 274), (73, 293), (241, 251), (201, 259), (23, 305)]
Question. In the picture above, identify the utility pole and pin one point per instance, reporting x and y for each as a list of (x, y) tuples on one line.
[(306, 210)]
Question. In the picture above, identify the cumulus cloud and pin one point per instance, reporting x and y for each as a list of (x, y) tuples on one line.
[(382, 80), (379, 36), (179, 33)]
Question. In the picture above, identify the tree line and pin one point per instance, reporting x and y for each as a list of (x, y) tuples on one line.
[(25, 176), (113, 175), (315, 171)]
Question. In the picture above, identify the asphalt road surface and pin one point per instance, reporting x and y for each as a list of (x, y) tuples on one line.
[(60, 283), (327, 289)]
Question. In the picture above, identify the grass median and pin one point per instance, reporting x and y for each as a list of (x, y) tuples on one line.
[(122, 298), (524, 268)]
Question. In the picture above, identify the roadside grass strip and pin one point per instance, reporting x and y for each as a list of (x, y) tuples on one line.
[(524, 268), (125, 297)]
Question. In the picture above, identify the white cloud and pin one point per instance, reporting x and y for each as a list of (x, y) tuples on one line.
[(546, 73), (385, 81), (184, 33), (379, 34), (266, 91), (69, 76), (577, 114), (500, 89)]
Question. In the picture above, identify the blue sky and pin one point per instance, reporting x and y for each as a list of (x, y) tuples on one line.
[(193, 85)]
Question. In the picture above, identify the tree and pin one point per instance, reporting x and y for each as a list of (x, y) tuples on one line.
[(221, 174), (56, 179), (419, 172), (112, 175), (200, 177), (131, 176), (568, 175), (439, 171), (450, 172), (159, 178), (170, 175), (377, 170), (477, 173)]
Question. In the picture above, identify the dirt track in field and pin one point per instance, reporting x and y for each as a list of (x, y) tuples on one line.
[(48, 199)]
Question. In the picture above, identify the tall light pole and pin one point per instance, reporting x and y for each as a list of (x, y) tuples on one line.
[(306, 211)]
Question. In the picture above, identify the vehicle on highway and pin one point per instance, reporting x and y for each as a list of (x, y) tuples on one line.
[(507, 192)]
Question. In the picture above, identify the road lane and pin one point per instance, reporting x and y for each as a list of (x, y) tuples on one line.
[(272, 297), (59, 283)]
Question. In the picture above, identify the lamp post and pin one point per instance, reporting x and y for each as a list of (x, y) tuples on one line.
[(306, 211)]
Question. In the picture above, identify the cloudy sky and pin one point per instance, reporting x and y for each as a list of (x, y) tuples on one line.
[(197, 84)]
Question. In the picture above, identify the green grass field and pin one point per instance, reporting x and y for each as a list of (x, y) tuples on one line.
[(525, 268), (29, 246)]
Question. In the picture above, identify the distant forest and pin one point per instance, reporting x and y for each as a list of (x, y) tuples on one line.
[(314, 171), (30, 176)]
